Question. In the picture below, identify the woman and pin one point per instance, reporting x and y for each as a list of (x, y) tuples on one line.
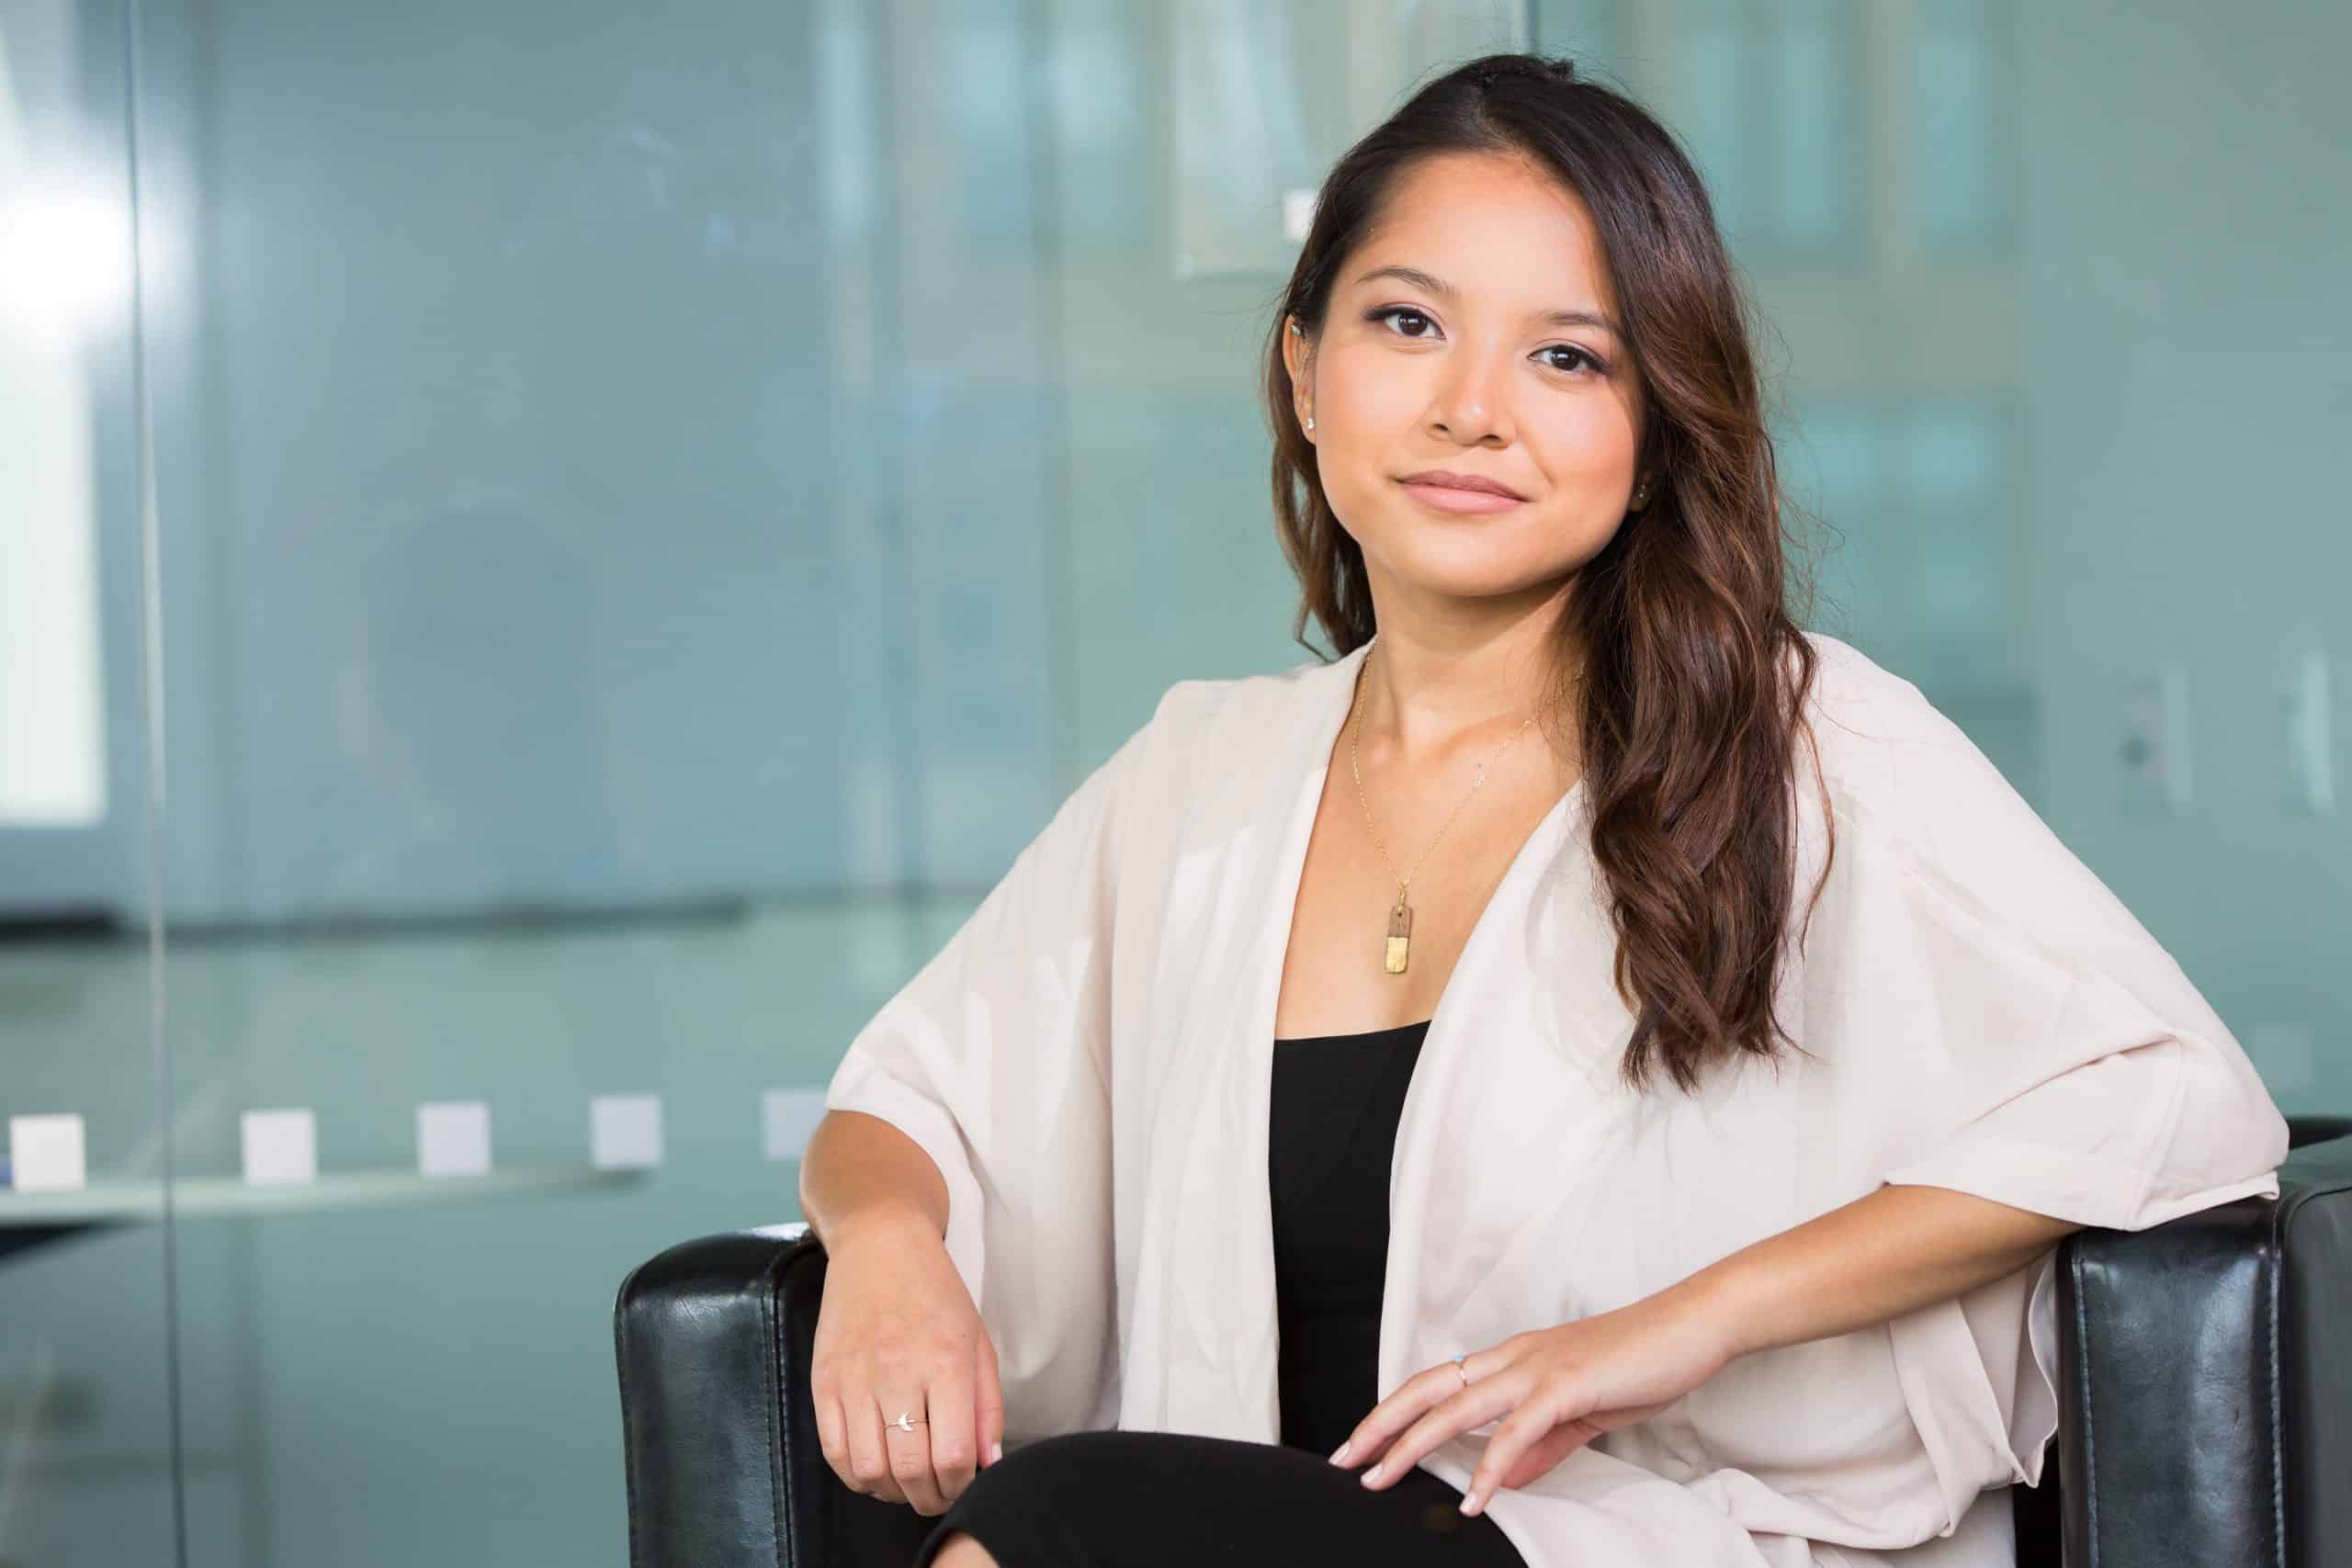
[(1353, 1133)]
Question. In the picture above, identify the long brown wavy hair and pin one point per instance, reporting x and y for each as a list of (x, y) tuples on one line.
[(1695, 672)]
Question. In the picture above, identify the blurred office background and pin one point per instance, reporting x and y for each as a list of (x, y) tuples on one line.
[(549, 555)]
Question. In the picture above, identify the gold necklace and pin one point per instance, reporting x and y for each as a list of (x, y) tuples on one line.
[(1400, 919)]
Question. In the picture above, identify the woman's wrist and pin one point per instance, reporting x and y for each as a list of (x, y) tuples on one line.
[(1704, 1306), (884, 1223)]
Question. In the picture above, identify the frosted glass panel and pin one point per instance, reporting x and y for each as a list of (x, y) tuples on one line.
[(90, 1470)]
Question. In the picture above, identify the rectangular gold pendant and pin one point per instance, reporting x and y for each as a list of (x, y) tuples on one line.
[(1400, 937)]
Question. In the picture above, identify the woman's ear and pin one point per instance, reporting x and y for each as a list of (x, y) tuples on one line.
[(1296, 360)]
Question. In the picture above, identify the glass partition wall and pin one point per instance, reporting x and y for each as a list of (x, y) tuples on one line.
[(545, 567), (91, 1468)]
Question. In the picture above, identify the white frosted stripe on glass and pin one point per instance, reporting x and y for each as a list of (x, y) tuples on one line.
[(789, 1117), (45, 1154), (281, 1148), (453, 1138), (624, 1132)]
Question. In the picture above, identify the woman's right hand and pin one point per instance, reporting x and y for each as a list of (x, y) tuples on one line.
[(896, 1331)]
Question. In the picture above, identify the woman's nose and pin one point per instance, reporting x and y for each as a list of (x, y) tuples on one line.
[(1473, 398)]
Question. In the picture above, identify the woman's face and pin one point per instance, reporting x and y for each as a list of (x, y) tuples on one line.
[(1470, 332)]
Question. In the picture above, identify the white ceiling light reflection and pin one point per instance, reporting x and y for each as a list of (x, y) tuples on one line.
[(65, 273)]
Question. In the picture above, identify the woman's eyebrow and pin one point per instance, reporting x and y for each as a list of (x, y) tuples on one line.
[(1445, 290)]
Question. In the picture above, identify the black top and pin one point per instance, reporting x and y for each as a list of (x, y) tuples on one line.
[(1337, 1099)]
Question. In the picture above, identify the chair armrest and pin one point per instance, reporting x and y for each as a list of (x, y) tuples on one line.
[(713, 1338), (2206, 1402)]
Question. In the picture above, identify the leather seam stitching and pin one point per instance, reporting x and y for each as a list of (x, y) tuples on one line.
[(779, 1434), (2090, 1442), (2274, 1281), (629, 1427)]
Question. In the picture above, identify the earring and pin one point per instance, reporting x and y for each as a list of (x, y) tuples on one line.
[(1310, 422)]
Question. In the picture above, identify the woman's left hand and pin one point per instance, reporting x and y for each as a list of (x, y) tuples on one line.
[(1554, 1390)]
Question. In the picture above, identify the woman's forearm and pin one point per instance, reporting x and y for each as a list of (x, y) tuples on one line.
[(1895, 1251), (860, 1176)]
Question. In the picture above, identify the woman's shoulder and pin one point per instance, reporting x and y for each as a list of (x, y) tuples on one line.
[(1921, 792), (1886, 753), (1207, 737), (1205, 712), (1858, 706)]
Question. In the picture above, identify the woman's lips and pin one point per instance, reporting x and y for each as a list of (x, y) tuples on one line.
[(1452, 498)]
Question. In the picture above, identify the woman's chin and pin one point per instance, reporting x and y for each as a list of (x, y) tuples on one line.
[(1468, 564), (1452, 580)]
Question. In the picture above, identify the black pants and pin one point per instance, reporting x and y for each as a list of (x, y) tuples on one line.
[(1111, 1499)]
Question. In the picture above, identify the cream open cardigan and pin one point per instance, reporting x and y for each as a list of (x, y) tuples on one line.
[(1088, 1060)]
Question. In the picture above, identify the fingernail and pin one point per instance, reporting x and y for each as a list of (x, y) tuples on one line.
[(996, 1452), (1371, 1476), (1340, 1454), (1470, 1504)]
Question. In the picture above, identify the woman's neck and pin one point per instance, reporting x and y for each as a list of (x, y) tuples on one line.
[(1429, 692), (1430, 687)]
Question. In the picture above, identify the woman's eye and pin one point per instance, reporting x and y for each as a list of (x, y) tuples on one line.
[(1578, 359), (1575, 360), (1397, 312)]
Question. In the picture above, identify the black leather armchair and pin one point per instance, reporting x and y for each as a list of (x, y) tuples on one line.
[(2206, 1411)]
